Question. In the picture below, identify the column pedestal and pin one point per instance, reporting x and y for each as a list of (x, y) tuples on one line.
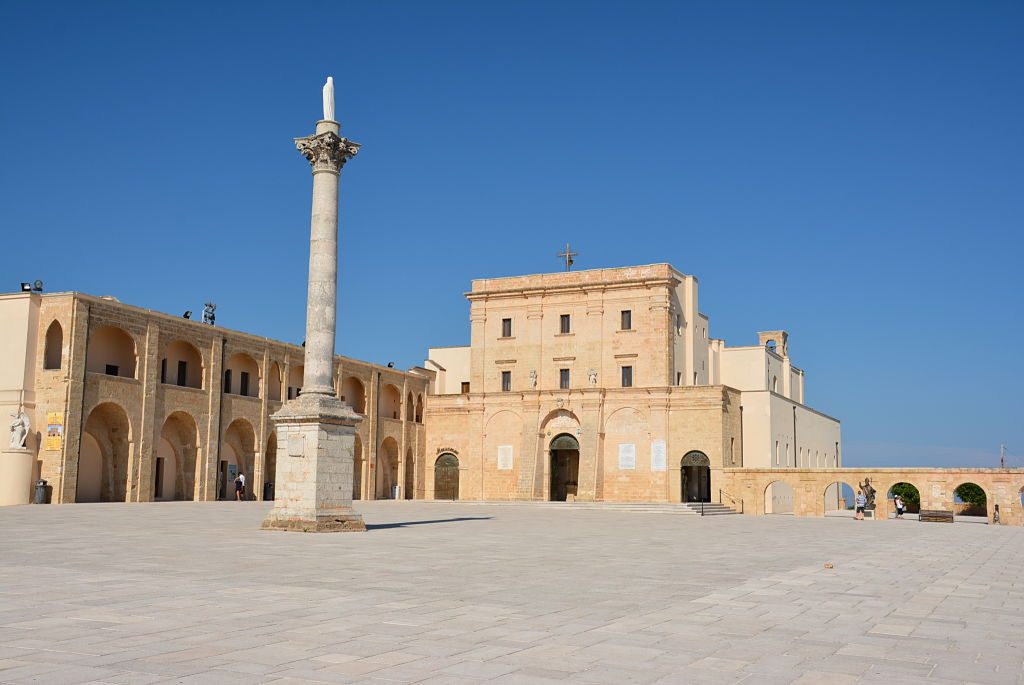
[(313, 484), (16, 475)]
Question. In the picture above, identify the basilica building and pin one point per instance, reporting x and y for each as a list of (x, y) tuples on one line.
[(605, 385)]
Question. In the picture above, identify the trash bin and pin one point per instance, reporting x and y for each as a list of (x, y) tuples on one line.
[(268, 492), (40, 492)]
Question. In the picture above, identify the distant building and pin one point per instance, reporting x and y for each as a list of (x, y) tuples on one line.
[(131, 405), (606, 385)]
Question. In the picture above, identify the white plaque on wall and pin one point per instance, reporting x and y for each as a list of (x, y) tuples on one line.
[(296, 445), (627, 457), (657, 455), (504, 457)]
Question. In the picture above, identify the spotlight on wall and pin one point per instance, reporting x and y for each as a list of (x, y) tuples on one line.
[(26, 287), (187, 314), (35, 287), (391, 365)]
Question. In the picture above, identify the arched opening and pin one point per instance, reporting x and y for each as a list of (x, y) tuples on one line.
[(357, 468), (274, 382), (970, 503), (775, 384), (182, 365), (111, 352), (909, 496), (387, 469), (109, 449), (54, 346), (174, 473), (446, 477), (242, 376), (390, 402), (410, 408), (778, 498), (565, 467), (410, 474), (295, 381), (237, 456), (695, 477), (419, 409), (353, 392), (270, 468), (839, 499)]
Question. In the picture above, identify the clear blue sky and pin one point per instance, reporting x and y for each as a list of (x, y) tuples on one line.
[(851, 172)]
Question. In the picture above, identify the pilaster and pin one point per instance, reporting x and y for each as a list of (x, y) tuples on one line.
[(206, 481), (143, 457), (74, 422)]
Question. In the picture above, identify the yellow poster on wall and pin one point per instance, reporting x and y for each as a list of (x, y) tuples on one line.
[(54, 430)]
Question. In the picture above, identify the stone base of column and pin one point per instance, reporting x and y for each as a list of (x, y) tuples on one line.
[(313, 483), (16, 465)]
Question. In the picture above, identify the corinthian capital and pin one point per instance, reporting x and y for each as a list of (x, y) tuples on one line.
[(327, 151)]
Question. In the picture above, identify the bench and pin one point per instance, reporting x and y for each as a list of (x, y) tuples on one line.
[(936, 516)]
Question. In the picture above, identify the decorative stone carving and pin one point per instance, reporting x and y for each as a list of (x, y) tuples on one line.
[(592, 376), (533, 378), (19, 429), (327, 151)]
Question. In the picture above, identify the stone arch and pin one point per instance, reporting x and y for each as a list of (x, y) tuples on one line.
[(112, 351), (387, 469), (110, 429), (838, 498), (274, 382), (410, 408), (89, 487), (182, 365), (53, 348), (238, 448), (390, 402), (357, 468), (970, 498), (410, 474), (560, 419), (295, 380), (179, 438), (911, 494), (242, 375), (779, 498), (270, 465), (694, 477), (419, 408), (354, 393)]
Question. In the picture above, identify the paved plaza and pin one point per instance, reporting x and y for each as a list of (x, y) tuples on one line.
[(469, 593)]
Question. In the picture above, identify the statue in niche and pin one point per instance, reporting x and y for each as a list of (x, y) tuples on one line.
[(533, 378), (592, 376), (19, 430)]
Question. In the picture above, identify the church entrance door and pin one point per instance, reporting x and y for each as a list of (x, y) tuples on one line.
[(695, 477), (446, 477), (565, 467)]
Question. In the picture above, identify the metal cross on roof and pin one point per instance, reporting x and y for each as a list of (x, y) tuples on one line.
[(568, 257)]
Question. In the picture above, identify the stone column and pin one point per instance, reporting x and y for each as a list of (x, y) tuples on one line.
[(316, 431)]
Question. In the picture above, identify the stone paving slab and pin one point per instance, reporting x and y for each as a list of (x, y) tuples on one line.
[(459, 593)]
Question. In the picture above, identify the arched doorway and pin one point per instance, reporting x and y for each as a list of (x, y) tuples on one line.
[(410, 474), (565, 467), (910, 496), (695, 477), (970, 503), (387, 469), (778, 498), (446, 477), (109, 447), (839, 499)]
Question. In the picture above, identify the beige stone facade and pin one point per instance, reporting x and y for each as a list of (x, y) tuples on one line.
[(156, 407), (605, 385)]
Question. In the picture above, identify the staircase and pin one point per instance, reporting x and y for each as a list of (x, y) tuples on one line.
[(685, 509)]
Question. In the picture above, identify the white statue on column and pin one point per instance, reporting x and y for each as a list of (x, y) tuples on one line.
[(329, 99), (19, 429)]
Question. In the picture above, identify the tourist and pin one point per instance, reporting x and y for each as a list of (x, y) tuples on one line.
[(898, 501), (862, 502), (239, 487)]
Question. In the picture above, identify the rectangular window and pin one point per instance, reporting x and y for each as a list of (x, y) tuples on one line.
[(158, 487), (465, 388), (695, 378), (182, 373), (627, 376), (679, 324), (565, 323), (112, 369), (506, 381), (291, 393), (679, 377), (506, 328), (227, 381), (627, 320), (243, 384), (732, 450), (163, 370), (563, 379)]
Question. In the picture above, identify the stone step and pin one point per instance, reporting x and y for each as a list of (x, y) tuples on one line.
[(681, 509)]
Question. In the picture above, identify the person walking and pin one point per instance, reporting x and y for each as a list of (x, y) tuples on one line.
[(862, 502), (239, 487), (898, 501)]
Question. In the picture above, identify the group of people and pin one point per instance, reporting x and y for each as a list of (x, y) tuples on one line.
[(862, 503), (240, 487)]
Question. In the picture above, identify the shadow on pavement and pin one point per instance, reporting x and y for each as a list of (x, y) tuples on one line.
[(403, 524)]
